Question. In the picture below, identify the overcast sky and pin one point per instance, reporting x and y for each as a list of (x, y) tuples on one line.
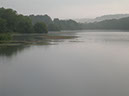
[(68, 8)]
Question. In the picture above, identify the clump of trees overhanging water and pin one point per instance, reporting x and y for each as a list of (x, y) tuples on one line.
[(12, 22)]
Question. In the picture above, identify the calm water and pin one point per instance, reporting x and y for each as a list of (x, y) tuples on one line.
[(95, 64)]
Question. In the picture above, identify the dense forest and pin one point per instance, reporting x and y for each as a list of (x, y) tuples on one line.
[(11, 21)]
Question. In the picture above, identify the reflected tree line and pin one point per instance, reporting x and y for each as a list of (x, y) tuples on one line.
[(9, 51)]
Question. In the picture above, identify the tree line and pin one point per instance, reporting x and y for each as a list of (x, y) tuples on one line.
[(56, 24), (12, 22)]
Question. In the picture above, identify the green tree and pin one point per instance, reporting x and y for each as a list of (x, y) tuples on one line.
[(11, 18), (24, 25), (40, 27), (15, 22), (3, 24)]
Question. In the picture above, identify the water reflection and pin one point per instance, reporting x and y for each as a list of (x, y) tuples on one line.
[(9, 51)]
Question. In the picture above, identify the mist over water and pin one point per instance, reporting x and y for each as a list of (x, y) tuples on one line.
[(94, 64)]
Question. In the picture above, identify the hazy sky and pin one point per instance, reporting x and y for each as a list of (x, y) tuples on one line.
[(68, 8)]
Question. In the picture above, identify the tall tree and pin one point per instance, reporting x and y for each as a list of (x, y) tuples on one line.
[(10, 16)]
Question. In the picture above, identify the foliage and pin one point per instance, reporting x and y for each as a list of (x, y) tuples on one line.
[(11, 18), (6, 36), (46, 19), (40, 27), (24, 25), (41, 18), (3, 25), (56, 24), (10, 21), (67, 24)]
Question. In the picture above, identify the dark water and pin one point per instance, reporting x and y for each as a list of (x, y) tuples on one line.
[(95, 64)]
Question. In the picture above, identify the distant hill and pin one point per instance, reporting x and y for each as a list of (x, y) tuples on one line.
[(102, 18), (115, 24)]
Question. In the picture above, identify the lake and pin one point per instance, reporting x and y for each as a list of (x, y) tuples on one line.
[(94, 64)]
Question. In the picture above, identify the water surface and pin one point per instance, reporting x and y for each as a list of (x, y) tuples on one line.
[(94, 64)]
